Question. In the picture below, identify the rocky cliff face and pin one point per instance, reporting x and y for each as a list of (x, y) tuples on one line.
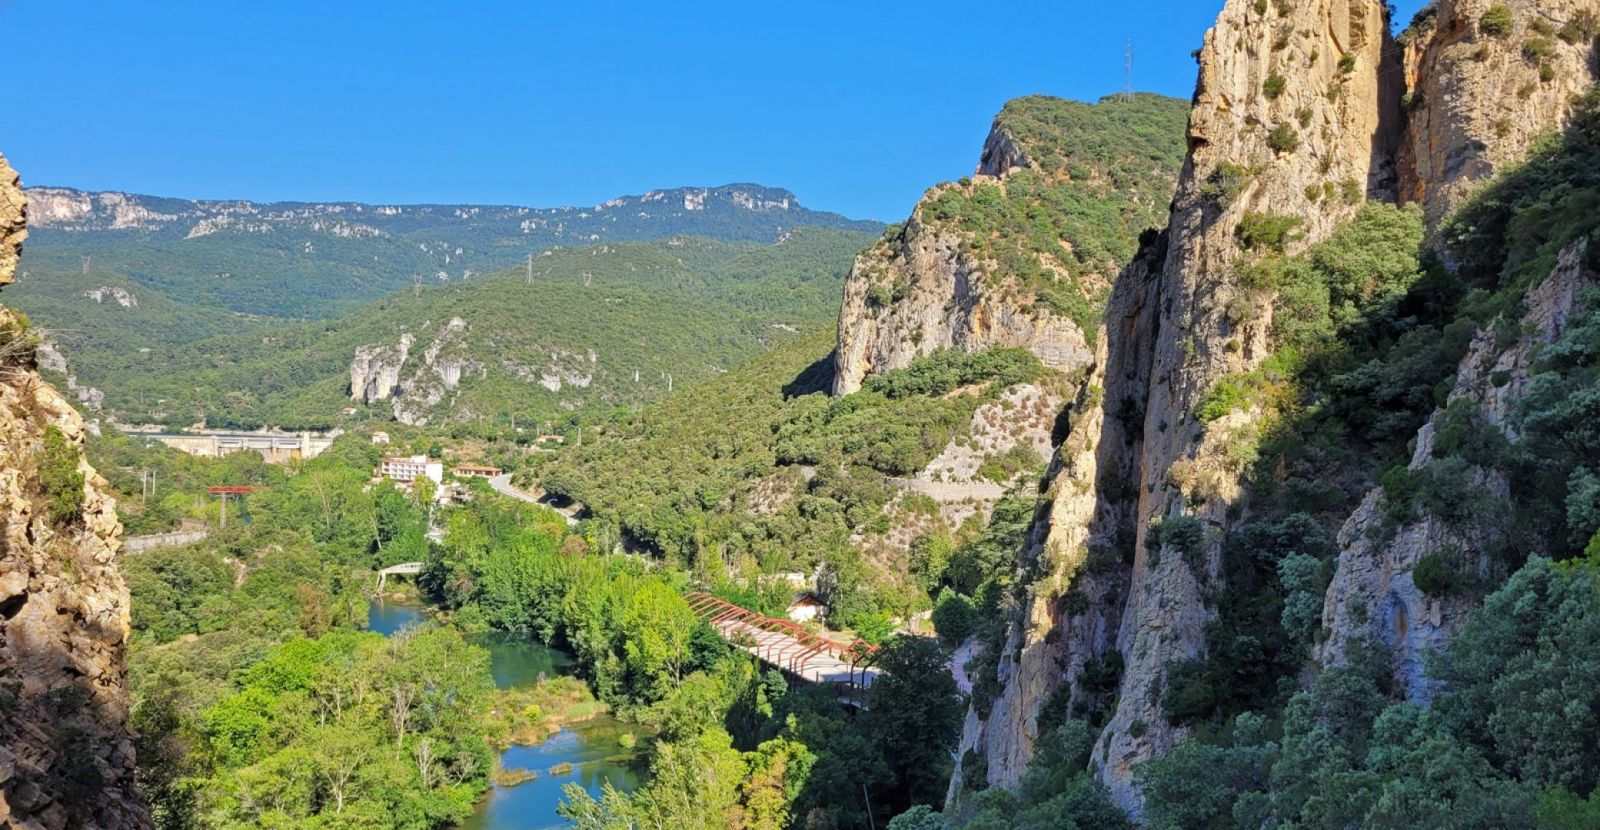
[(66, 756), (939, 300), (1374, 592), (1299, 116), (375, 370), (1480, 95), (966, 272), (1289, 102)]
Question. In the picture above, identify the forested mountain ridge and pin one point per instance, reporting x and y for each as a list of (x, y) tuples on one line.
[(320, 259), (1282, 465), (1022, 253), (587, 332), (128, 286)]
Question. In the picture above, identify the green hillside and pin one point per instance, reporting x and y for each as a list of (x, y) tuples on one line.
[(685, 307), (320, 260)]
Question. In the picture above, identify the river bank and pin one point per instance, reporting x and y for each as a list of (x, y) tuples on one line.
[(551, 730)]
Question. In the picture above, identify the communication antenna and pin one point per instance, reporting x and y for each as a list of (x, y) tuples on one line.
[(1127, 73), (86, 260), (416, 284), (530, 269)]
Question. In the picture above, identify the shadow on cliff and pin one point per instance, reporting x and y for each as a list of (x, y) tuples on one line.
[(70, 763)]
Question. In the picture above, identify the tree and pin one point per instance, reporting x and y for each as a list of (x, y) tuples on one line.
[(913, 719)]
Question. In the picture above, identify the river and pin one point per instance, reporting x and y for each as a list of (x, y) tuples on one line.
[(589, 749)]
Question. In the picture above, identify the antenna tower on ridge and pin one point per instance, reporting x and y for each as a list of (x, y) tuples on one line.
[(1127, 73)]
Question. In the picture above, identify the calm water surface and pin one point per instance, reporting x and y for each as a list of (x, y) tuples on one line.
[(590, 748)]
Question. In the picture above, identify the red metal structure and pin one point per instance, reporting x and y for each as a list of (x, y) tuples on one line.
[(226, 490), (791, 650)]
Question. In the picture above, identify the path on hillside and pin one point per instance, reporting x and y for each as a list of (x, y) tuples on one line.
[(502, 485), (944, 491)]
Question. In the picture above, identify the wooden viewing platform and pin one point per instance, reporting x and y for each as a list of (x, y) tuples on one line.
[(789, 647)]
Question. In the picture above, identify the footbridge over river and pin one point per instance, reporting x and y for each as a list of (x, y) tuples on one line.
[(789, 647), (404, 568)]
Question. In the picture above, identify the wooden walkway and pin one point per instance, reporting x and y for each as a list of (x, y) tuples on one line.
[(788, 646)]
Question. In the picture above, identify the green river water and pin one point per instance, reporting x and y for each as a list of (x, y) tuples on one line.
[(590, 747)]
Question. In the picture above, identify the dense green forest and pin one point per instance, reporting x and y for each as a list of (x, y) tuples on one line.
[(260, 702), (728, 303)]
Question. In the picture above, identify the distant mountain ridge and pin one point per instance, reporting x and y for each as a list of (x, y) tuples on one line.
[(321, 259)]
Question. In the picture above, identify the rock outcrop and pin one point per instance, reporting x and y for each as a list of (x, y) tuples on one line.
[(965, 271), (66, 754), (375, 370), (1301, 114), (1479, 97), (944, 305), (1373, 592)]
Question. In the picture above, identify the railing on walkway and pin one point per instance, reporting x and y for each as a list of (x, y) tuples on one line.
[(786, 644)]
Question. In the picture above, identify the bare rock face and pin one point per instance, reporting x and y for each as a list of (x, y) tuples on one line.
[(1373, 592), (944, 304), (1482, 95), (375, 370), (1289, 103), (66, 755), (13, 227), (436, 375)]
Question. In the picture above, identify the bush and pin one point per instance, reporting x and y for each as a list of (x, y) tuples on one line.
[(1283, 138), (1274, 86), (1584, 27), (60, 479), (1436, 575), (1538, 49), (1226, 183), (1267, 230), (1496, 21)]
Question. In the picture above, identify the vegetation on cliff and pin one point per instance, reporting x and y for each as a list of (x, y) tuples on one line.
[(1057, 230)]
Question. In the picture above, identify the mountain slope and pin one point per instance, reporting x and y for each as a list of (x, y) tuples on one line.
[(601, 326), (318, 260), (1267, 362)]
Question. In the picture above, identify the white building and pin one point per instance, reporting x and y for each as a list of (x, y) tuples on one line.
[(407, 470), (806, 607)]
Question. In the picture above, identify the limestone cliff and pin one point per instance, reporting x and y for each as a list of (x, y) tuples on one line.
[(1292, 125), (375, 370), (1374, 591), (1301, 113), (971, 269), (66, 755), (1481, 95)]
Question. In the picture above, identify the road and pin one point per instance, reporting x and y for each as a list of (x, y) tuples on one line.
[(502, 485)]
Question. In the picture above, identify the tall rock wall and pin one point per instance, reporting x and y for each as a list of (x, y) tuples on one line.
[(1292, 96), (1301, 113), (1481, 95), (66, 755)]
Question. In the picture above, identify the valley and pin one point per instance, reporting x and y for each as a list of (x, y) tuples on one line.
[(1226, 462)]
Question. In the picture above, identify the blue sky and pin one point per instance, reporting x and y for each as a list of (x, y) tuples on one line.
[(857, 106)]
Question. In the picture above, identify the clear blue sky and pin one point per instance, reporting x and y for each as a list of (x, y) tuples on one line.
[(855, 106)]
